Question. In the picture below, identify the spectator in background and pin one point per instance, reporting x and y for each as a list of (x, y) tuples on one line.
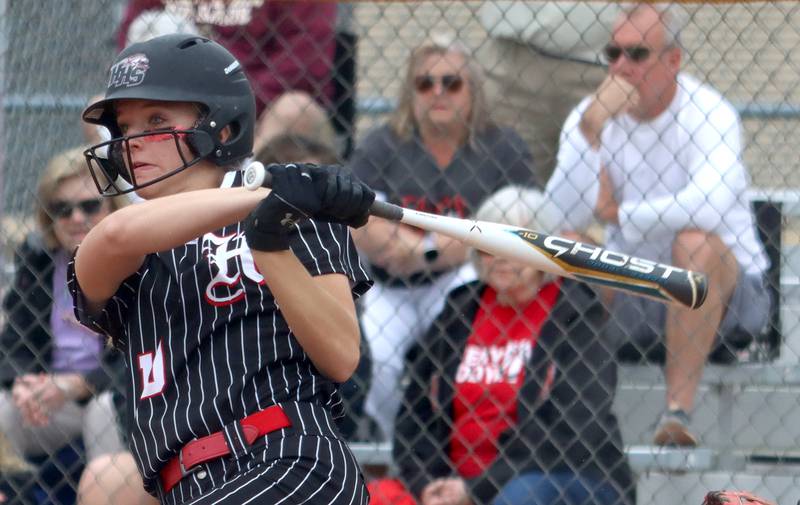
[(656, 156), (511, 380), (54, 372), (15, 476), (441, 152), (113, 478), (153, 22), (294, 114), (290, 148), (541, 59), (284, 47)]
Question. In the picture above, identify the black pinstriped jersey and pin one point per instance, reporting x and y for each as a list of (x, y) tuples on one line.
[(204, 340)]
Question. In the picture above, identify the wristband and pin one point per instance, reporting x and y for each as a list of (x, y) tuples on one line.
[(265, 236)]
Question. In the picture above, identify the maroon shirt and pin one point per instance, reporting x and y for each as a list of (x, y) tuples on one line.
[(281, 45)]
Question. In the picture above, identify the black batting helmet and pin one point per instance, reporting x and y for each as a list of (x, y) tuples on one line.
[(176, 68)]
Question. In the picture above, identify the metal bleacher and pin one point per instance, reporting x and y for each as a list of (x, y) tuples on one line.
[(743, 446)]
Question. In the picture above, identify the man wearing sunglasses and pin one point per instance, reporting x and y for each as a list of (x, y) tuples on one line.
[(541, 58), (655, 156)]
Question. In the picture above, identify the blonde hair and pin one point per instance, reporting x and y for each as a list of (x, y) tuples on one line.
[(65, 165), (403, 122), (519, 206)]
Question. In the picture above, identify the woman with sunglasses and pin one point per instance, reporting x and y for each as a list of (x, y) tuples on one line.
[(233, 309), (440, 152), (56, 373)]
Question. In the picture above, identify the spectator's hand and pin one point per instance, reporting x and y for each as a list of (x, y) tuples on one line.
[(57, 389), (24, 393), (452, 252), (401, 254), (614, 96), (607, 209), (404, 253), (449, 491)]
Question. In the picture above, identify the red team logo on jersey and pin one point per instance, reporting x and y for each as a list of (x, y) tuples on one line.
[(230, 259), (154, 376)]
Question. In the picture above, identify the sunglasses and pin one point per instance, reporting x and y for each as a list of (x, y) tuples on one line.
[(452, 83), (636, 54), (63, 210)]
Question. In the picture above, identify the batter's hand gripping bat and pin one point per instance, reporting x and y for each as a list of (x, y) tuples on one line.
[(550, 253)]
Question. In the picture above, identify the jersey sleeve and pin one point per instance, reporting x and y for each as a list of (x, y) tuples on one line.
[(111, 321), (327, 248)]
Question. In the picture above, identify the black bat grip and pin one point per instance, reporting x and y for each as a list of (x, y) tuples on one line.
[(256, 176)]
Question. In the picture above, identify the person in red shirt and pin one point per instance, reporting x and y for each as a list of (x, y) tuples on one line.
[(286, 48), (512, 385)]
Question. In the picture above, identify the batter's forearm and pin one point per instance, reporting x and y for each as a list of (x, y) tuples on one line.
[(319, 311), (168, 222), (115, 248)]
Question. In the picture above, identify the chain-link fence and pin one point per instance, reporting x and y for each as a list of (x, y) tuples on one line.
[(666, 132)]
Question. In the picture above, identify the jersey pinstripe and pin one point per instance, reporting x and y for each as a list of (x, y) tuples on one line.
[(205, 342)]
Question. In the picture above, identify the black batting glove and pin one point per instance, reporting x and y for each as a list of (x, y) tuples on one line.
[(344, 198), (293, 198)]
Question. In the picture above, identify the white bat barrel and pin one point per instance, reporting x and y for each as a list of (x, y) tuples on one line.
[(493, 238), (560, 256), (549, 253)]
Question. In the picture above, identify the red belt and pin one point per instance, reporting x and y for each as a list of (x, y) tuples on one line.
[(214, 446)]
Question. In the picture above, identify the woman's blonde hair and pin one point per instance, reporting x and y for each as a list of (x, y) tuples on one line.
[(65, 165), (519, 206), (403, 121)]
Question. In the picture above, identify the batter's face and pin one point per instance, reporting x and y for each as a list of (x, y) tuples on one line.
[(442, 94), (76, 208), (156, 156)]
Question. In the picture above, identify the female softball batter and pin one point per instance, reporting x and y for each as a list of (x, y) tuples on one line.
[(234, 310)]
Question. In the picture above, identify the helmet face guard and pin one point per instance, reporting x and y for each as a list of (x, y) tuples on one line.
[(174, 68), (112, 167)]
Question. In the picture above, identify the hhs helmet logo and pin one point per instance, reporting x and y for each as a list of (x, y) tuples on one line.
[(129, 72)]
